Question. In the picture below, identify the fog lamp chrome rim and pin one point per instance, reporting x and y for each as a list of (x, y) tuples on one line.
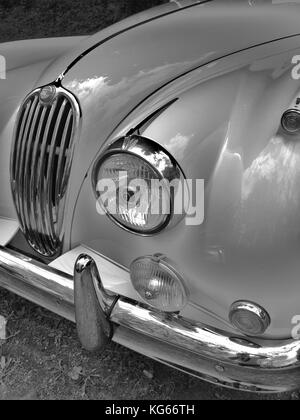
[(166, 265), (251, 311)]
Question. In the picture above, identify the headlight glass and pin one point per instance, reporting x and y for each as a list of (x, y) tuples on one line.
[(134, 185)]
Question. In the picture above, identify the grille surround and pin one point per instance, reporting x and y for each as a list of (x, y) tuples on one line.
[(41, 159)]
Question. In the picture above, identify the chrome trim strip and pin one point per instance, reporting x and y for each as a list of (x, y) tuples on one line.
[(40, 199), (27, 185), (39, 240), (22, 175), (60, 187), (18, 155), (50, 170), (271, 368)]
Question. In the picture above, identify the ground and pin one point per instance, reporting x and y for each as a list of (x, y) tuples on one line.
[(42, 358)]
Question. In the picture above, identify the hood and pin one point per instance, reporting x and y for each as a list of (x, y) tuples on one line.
[(167, 34), (118, 68)]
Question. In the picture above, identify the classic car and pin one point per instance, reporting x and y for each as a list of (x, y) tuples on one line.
[(200, 96)]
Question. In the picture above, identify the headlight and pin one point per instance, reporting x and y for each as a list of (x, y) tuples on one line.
[(158, 283), (136, 182)]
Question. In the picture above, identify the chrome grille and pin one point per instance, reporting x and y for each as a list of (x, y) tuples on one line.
[(40, 166)]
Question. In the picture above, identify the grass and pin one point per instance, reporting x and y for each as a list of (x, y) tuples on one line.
[(46, 18)]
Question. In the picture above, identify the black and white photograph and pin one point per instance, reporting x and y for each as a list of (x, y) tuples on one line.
[(149, 203)]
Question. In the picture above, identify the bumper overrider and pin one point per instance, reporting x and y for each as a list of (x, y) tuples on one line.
[(186, 345)]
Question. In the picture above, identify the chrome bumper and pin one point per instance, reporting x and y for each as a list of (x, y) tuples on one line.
[(189, 346)]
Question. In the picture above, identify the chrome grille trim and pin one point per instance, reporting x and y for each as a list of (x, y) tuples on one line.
[(41, 160)]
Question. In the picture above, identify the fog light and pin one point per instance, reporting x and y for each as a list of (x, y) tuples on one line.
[(291, 121), (158, 284), (249, 318)]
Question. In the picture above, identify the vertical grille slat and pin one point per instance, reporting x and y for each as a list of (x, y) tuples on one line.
[(23, 150), (60, 165), (40, 166), (62, 155), (18, 145), (40, 195), (67, 165), (28, 169), (23, 171), (38, 239), (52, 158)]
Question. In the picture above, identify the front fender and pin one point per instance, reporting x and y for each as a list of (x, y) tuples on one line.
[(226, 117)]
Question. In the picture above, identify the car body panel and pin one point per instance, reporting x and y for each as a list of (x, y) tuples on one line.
[(8, 229), (114, 277), (29, 52)]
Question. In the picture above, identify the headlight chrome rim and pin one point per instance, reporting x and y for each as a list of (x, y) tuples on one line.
[(144, 149)]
